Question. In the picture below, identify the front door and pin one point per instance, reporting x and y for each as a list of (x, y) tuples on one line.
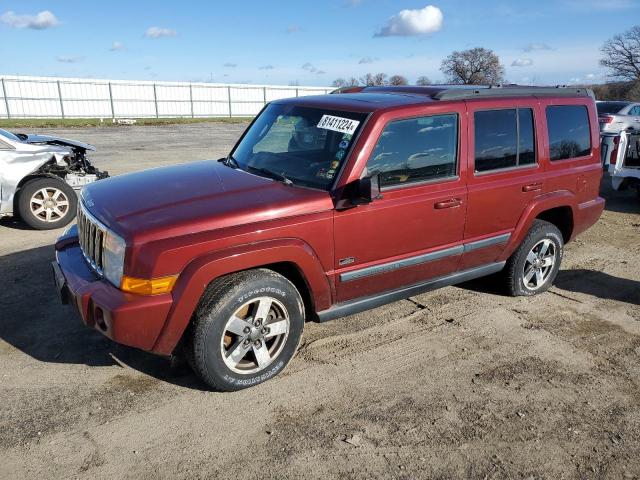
[(414, 231)]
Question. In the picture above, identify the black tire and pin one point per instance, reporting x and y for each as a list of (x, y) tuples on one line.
[(515, 268), (223, 299), (26, 208)]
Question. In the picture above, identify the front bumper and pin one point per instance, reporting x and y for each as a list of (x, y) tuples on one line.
[(129, 319)]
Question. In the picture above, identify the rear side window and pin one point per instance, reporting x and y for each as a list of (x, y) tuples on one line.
[(504, 139), (610, 108), (415, 150), (569, 133)]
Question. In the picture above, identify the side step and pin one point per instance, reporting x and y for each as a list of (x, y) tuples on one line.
[(367, 303)]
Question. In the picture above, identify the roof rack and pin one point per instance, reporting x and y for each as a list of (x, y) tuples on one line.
[(511, 91)]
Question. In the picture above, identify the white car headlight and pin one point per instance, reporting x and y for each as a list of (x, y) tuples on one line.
[(113, 258)]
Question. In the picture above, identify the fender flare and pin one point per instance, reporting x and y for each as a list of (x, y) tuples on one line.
[(200, 272), (562, 198)]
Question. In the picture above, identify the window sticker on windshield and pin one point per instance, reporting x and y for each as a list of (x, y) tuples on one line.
[(338, 124), (344, 144)]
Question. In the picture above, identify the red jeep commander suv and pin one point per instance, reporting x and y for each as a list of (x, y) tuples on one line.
[(332, 205)]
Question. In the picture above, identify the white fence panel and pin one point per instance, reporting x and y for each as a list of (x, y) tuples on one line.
[(37, 97)]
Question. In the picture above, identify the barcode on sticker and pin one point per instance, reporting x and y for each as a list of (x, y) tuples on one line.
[(338, 124)]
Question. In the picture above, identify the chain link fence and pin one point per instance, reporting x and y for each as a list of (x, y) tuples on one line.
[(51, 97)]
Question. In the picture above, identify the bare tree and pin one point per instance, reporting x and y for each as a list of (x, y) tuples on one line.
[(341, 82), (398, 80), (621, 55), (477, 66), (423, 81), (374, 80)]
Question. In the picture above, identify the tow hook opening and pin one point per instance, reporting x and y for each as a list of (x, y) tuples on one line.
[(98, 315)]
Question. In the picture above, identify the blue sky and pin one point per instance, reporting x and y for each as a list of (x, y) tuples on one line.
[(309, 42)]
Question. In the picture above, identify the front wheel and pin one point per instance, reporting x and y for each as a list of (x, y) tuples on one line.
[(245, 330), (534, 265), (47, 203)]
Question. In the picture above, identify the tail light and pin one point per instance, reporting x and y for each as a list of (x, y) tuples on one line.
[(614, 152), (605, 119)]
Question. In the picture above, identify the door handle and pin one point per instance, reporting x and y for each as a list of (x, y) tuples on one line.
[(532, 187), (449, 203)]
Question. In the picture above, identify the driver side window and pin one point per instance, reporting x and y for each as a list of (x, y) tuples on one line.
[(415, 150)]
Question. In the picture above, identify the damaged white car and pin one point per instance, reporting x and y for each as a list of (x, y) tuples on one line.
[(39, 177), (625, 172)]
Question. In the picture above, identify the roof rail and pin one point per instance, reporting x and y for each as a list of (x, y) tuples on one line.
[(512, 91)]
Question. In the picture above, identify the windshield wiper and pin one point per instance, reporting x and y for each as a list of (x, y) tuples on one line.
[(271, 174), (230, 161)]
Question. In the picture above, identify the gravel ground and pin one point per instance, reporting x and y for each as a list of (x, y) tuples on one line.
[(458, 383)]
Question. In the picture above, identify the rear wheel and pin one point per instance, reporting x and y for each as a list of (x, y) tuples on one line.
[(245, 330), (47, 203), (534, 265)]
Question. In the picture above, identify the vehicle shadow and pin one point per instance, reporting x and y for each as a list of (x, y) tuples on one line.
[(590, 282), (15, 223), (33, 320), (599, 284)]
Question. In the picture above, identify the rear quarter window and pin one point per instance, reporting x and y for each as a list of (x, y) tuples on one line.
[(569, 132)]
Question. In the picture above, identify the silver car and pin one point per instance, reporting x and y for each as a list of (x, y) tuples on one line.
[(618, 116), (39, 177)]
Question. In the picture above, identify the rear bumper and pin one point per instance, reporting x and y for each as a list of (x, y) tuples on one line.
[(133, 320)]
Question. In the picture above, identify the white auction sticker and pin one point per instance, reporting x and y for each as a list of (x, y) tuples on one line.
[(338, 124)]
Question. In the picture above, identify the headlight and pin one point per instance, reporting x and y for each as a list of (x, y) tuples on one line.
[(113, 258)]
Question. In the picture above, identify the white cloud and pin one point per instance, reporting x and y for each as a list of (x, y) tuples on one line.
[(230, 65), (536, 46), (266, 67), (69, 59), (39, 21), (157, 32), (522, 62), (365, 60), (413, 22), (117, 46)]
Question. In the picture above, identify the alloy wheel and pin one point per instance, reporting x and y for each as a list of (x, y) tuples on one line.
[(49, 204), (255, 335), (539, 264)]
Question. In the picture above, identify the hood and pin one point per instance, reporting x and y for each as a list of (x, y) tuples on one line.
[(194, 197), (49, 140)]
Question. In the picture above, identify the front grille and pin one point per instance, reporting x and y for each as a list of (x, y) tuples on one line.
[(92, 236)]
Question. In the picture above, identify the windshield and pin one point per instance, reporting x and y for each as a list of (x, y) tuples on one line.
[(9, 135), (301, 145), (610, 107)]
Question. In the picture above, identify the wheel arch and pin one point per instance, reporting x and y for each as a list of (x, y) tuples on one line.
[(557, 208), (562, 218), (291, 258), (28, 178)]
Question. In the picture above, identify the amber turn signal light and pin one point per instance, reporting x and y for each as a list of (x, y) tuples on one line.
[(143, 286)]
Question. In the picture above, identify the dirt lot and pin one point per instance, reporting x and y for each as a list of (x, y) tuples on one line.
[(460, 382)]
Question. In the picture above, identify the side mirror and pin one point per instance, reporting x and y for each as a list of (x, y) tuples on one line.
[(360, 192), (369, 188)]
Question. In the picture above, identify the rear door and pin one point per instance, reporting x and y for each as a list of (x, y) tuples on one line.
[(414, 231), (503, 174)]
